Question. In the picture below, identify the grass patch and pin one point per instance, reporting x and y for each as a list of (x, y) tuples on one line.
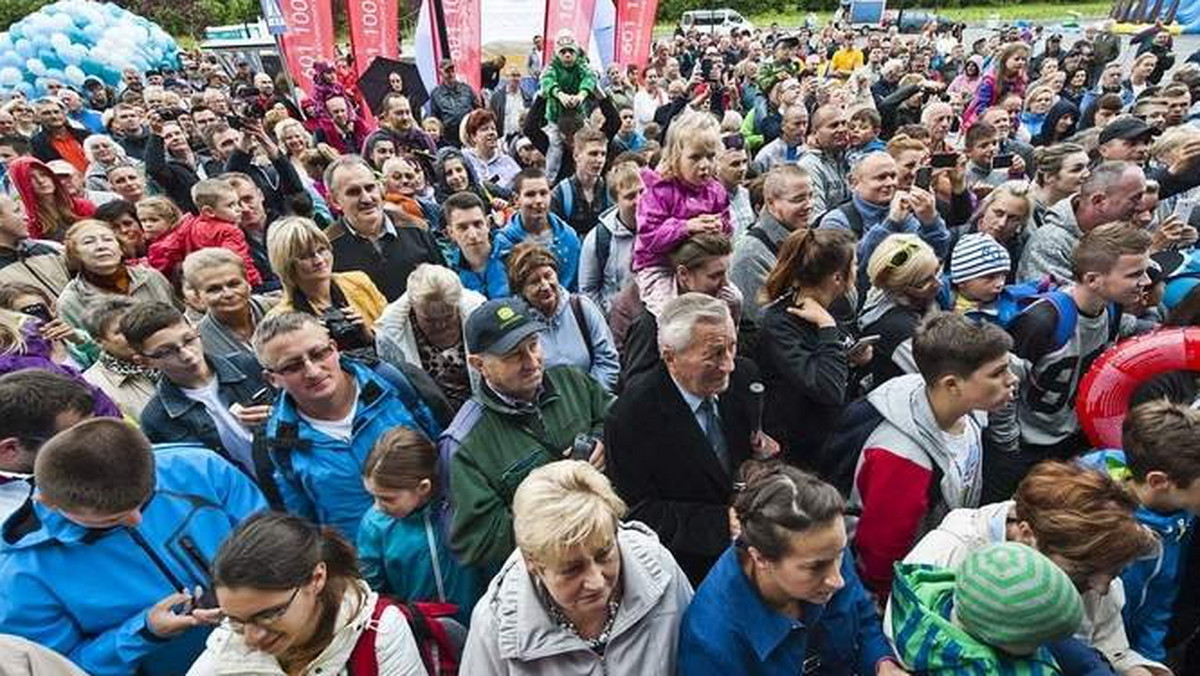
[(1037, 11)]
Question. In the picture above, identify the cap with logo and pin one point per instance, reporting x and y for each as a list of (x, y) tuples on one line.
[(498, 326)]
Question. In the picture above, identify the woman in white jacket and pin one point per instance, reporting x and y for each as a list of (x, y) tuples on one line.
[(1081, 520), (294, 605)]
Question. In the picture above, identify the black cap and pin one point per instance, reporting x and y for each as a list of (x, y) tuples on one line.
[(1126, 127), (498, 326)]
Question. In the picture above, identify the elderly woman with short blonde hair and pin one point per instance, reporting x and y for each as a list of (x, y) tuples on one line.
[(584, 593), (425, 326)]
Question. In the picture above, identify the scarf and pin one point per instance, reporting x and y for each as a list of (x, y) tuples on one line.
[(126, 369)]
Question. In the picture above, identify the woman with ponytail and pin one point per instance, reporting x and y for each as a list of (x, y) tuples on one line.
[(294, 603), (804, 355)]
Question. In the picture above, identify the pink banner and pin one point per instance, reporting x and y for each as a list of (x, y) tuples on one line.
[(309, 37), (374, 31), (457, 36), (635, 29), (574, 15)]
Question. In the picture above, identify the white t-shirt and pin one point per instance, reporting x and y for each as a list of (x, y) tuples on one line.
[(966, 449), (236, 439), (341, 429)]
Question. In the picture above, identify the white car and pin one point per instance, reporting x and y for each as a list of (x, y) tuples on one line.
[(719, 21)]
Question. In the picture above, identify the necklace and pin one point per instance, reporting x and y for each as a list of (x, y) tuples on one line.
[(600, 642)]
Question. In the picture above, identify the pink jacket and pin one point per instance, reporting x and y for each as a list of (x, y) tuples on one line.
[(663, 214)]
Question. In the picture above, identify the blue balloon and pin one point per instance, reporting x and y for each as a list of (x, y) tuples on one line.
[(35, 66), (10, 76), (24, 47)]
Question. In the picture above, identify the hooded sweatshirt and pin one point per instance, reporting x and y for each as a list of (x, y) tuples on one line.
[(929, 642), (20, 173), (893, 483), (167, 253), (574, 80), (1051, 248)]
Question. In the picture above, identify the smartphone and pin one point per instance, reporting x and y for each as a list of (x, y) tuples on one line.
[(944, 160), (1183, 209), (1002, 161), (864, 342), (261, 398), (38, 310), (924, 178)]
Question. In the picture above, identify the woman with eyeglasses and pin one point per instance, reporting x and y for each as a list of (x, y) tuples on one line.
[(905, 277), (348, 302), (806, 357), (1082, 520), (294, 603), (94, 255)]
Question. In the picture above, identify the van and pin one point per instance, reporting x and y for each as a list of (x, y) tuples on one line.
[(719, 21)]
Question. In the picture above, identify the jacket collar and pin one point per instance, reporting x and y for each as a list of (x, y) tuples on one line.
[(771, 226), (761, 626), (524, 627), (502, 405), (370, 388), (176, 402), (871, 210)]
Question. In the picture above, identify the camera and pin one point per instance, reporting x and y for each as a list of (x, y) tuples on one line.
[(345, 333), (583, 446)]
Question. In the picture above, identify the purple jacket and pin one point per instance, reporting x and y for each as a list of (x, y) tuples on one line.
[(37, 356), (663, 214)]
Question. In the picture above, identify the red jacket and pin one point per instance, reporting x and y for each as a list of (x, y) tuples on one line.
[(198, 232)]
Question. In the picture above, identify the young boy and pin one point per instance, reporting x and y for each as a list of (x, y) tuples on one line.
[(994, 614), (982, 174), (568, 80), (1110, 265), (1160, 465), (217, 225), (605, 261), (979, 267), (865, 124), (925, 456)]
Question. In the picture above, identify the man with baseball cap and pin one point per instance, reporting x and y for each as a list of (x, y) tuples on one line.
[(521, 417), (1126, 138), (451, 100)]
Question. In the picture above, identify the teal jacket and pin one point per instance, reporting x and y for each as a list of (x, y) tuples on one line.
[(409, 559), (927, 642)]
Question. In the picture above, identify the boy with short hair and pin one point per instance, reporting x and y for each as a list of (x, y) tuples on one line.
[(865, 124), (1160, 466), (103, 564), (606, 259), (924, 457), (216, 225), (981, 143), (1110, 265)]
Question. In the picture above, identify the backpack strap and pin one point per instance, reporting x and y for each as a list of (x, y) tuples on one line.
[(853, 217), (363, 659), (581, 320), (603, 247), (1068, 316), (758, 233), (568, 198)]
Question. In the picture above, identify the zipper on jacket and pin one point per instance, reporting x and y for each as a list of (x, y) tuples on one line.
[(193, 553), (176, 584), (433, 555)]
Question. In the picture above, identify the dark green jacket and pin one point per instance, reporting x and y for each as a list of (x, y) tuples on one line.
[(492, 446), (574, 80)]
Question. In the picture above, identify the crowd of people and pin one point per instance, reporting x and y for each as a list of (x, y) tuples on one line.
[(759, 359)]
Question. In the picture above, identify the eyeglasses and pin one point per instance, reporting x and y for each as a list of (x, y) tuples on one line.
[(264, 619), (172, 351), (314, 356)]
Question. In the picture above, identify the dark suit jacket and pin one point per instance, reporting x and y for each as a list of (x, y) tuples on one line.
[(662, 465)]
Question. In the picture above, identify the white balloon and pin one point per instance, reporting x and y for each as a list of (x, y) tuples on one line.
[(35, 66)]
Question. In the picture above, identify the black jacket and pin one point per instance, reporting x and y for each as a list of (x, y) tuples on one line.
[(807, 373), (389, 260), (639, 352), (44, 151), (664, 468), (174, 177)]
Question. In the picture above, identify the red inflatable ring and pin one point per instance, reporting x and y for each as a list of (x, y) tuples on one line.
[(1105, 390)]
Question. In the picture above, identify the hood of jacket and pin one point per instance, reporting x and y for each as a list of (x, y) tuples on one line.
[(609, 220), (1062, 215), (1171, 527), (524, 627), (903, 403), (929, 642)]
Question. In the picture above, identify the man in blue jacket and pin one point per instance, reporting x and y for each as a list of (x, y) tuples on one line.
[(332, 412), (536, 222), (108, 564)]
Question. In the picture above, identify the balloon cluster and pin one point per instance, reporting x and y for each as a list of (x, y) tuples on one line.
[(74, 39)]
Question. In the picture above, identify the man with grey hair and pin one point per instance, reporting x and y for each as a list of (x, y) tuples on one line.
[(366, 238), (57, 139), (677, 435), (787, 195), (1112, 192)]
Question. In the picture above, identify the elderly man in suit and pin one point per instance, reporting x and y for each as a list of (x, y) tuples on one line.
[(676, 436)]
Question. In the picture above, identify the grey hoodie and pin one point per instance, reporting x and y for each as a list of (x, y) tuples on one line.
[(512, 633), (1051, 248)]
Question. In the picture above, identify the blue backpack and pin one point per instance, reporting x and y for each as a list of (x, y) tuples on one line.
[(1016, 299)]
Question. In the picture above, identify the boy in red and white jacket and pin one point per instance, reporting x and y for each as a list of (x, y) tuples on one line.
[(216, 225), (925, 457)]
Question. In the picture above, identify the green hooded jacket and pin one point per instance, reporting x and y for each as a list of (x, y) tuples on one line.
[(574, 80), (927, 642)]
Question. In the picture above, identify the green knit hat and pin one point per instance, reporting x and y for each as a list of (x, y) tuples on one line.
[(1012, 597)]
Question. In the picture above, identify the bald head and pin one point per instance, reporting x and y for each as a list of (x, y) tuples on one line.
[(874, 178), (830, 127)]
